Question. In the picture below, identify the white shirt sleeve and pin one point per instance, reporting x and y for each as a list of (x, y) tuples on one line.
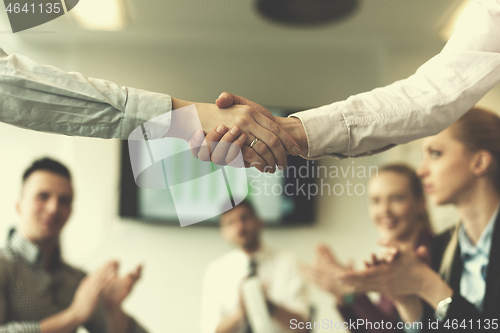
[(424, 104), (45, 98)]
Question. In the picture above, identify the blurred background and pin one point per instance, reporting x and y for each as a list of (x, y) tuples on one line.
[(194, 50)]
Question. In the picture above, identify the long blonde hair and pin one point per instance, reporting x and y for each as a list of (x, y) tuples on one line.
[(477, 129)]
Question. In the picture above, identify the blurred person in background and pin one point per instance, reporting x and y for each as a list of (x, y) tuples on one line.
[(222, 305), (397, 207), (39, 292), (461, 166)]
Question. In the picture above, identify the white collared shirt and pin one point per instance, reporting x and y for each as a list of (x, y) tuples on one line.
[(475, 259), (424, 104), (221, 286)]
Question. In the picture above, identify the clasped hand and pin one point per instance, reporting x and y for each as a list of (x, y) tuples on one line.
[(239, 125)]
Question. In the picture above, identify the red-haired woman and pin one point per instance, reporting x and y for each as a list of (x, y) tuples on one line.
[(461, 166)]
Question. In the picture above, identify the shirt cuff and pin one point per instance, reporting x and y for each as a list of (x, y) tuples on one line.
[(24, 327), (143, 106), (326, 132)]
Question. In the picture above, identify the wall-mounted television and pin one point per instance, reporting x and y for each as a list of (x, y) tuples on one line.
[(281, 199)]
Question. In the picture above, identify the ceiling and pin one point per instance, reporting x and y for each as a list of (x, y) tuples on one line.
[(159, 21)]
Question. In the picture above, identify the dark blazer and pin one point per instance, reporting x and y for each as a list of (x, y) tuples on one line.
[(460, 310)]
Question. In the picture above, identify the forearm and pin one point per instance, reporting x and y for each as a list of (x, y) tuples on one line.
[(230, 323), (63, 322), (119, 321), (410, 309), (45, 98), (441, 90), (433, 288)]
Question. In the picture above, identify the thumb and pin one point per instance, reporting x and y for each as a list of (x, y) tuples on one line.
[(225, 100)]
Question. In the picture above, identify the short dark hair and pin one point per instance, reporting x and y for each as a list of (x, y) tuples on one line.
[(244, 203), (47, 164)]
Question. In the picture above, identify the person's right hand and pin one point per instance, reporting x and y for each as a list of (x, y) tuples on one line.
[(273, 142), (89, 291), (120, 287), (292, 125)]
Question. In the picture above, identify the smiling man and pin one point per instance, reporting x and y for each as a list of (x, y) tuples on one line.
[(39, 292)]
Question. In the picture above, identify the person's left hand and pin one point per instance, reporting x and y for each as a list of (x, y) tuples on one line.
[(396, 275), (120, 287), (325, 272)]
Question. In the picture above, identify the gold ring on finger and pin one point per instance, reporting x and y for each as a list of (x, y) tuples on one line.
[(253, 142)]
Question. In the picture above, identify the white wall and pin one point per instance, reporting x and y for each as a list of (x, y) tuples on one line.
[(167, 298)]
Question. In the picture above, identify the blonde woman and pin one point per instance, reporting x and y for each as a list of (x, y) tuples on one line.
[(397, 207)]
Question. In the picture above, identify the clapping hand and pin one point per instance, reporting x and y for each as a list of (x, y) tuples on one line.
[(394, 274), (325, 272), (89, 292), (120, 286)]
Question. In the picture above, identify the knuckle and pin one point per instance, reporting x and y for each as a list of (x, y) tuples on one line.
[(249, 154), (204, 156), (275, 142), (248, 110), (242, 121), (275, 129), (218, 160), (262, 149)]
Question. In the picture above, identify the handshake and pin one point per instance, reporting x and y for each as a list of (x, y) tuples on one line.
[(235, 124)]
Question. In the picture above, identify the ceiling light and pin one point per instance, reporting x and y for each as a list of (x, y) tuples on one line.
[(306, 12), (107, 15)]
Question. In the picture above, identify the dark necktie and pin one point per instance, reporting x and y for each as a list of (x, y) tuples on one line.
[(252, 271), (252, 268)]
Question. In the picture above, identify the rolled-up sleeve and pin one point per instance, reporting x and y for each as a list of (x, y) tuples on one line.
[(45, 98), (424, 104)]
